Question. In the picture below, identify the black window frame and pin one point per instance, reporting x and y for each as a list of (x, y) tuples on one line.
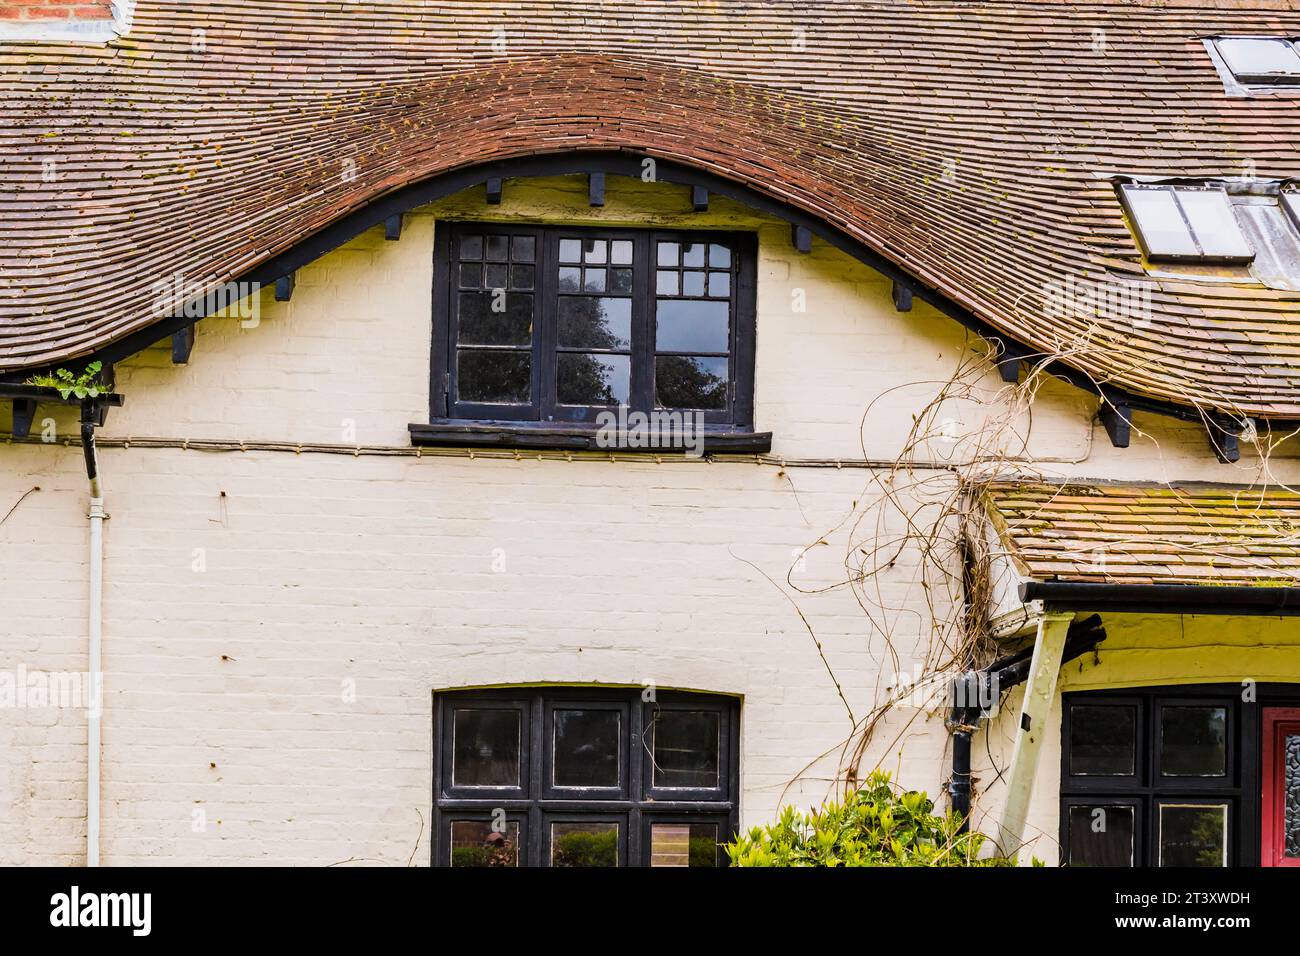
[(544, 411), (637, 806), (1241, 788)]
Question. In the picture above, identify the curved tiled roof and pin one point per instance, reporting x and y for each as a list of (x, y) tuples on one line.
[(966, 142)]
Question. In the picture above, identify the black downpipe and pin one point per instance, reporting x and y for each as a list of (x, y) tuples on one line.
[(959, 784), (89, 419), (975, 692)]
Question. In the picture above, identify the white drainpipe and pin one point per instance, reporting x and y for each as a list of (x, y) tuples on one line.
[(96, 668), (96, 634)]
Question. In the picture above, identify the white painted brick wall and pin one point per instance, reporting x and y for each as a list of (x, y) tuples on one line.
[(326, 568)]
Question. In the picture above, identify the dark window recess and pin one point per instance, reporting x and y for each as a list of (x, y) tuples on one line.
[(582, 777), (1194, 741), (685, 746), (486, 745), (1103, 741), (1102, 834), (544, 328), (1156, 778)]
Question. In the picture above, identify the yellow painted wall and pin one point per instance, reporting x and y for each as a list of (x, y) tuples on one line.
[(1140, 650)]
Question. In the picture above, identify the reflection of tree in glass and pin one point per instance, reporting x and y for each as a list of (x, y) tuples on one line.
[(704, 851), (582, 848), (1206, 838), (683, 382), (497, 850), (580, 378)]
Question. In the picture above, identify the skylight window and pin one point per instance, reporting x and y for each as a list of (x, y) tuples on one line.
[(1186, 223), (1261, 60)]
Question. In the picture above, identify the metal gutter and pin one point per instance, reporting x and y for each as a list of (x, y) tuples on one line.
[(1163, 598)]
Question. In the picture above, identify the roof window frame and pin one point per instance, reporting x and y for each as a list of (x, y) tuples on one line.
[(1258, 80), (1153, 253)]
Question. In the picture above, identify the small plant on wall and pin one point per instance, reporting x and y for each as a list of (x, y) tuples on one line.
[(85, 385), (876, 825)]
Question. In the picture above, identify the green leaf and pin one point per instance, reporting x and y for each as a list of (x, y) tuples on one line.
[(873, 826)]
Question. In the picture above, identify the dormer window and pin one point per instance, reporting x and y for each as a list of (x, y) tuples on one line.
[(1185, 223), (1264, 61), (544, 335)]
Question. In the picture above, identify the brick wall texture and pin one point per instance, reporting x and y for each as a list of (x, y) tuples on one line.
[(56, 10)]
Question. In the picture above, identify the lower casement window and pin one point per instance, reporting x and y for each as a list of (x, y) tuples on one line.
[(1173, 776), (579, 777)]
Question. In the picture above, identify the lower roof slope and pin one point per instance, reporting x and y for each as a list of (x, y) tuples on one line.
[(1130, 534), (967, 142)]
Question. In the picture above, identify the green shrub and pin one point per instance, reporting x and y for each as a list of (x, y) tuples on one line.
[(503, 855), (703, 851), (875, 826), (580, 848)]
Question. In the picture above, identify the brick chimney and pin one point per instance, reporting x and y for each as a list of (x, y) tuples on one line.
[(56, 10), (94, 21)]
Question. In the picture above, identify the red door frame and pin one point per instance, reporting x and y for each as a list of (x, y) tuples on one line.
[(1278, 723)]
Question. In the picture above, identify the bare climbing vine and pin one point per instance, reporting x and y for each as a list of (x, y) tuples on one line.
[(919, 524)]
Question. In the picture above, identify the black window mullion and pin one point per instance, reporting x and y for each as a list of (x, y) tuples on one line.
[(440, 345), (744, 323), (435, 833), (546, 340), (635, 717), (643, 290), (1249, 829), (537, 732), (636, 728)]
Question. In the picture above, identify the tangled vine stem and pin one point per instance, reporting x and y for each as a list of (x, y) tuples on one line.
[(924, 518)]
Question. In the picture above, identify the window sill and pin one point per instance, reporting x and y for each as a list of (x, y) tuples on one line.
[(449, 432)]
